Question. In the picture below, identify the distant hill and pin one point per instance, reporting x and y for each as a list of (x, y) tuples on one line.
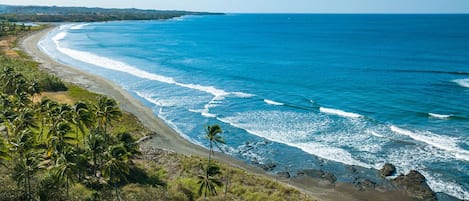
[(84, 14)]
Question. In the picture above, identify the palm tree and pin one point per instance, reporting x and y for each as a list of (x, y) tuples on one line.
[(66, 169), (95, 148), (129, 143), (81, 118), (59, 114), (116, 166), (8, 78), (44, 111), (59, 142), (34, 89), (107, 110), (213, 137), (27, 163), (24, 169), (4, 152), (208, 182), (25, 119)]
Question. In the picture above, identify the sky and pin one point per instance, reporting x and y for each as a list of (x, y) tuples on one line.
[(269, 6)]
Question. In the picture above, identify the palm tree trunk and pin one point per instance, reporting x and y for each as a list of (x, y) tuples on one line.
[(117, 193), (28, 183), (67, 188)]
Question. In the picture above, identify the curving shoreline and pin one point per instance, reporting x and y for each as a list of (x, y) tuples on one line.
[(167, 138)]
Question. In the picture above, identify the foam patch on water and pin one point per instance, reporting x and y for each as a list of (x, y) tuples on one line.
[(79, 26), (439, 141), (462, 82), (439, 116), (339, 112), (271, 102), (148, 98), (448, 187)]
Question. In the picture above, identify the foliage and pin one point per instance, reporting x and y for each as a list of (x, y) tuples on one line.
[(81, 14), (26, 71)]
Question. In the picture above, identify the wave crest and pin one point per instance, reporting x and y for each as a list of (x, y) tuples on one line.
[(462, 82), (271, 102), (439, 141), (340, 112)]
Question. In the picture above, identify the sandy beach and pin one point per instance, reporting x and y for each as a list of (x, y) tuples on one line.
[(165, 137)]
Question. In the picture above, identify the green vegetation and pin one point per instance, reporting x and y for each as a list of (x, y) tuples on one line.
[(81, 14), (7, 28), (24, 73)]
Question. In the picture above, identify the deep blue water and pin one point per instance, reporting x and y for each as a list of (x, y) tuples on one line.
[(301, 91)]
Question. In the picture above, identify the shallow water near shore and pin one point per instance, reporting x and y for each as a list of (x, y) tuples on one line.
[(299, 91)]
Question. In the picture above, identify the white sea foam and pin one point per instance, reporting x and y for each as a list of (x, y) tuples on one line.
[(339, 112), (79, 26), (439, 185), (376, 134), (438, 141), (149, 98), (439, 116), (61, 35), (242, 94), (271, 102), (462, 82)]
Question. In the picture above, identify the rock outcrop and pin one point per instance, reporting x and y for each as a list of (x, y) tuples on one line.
[(416, 186), (387, 170), (319, 174)]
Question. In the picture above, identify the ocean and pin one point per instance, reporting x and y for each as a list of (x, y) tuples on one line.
[(296, 90)]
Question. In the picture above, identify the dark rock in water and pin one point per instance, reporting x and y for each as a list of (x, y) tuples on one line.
[(284, 174), (416, 186), (319, 174), (387, 170), (268, 166)]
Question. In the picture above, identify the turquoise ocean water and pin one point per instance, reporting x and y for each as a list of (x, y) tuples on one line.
[(300, 91)]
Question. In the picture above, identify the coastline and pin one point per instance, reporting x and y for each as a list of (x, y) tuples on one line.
[(166, 138)]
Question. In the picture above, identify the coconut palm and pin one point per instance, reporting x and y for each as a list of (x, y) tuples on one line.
[(8, 79), (81, 118), (59, 114), (24, 170), (44, 110), (129, 143), (95, 148), (27, 163), (4, 152), (59, 141), (213, 137), (34, 89), (66, 169), (25, 119), (208, 182), (116, 167), (107, 111)]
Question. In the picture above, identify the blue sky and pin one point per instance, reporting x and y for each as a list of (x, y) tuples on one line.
[(270, 6)]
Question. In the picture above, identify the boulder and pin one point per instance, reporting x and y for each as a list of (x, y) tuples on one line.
[(318, 174), (284, 174), (363, 184), (268, 166), (416, 186), (387, 170)]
